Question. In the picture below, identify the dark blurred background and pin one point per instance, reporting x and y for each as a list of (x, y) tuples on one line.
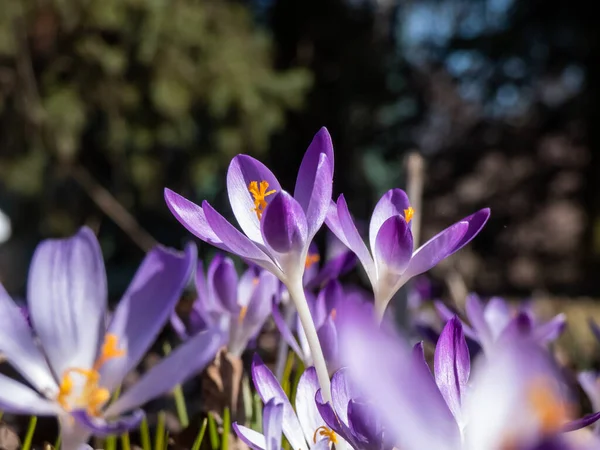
[(104, 103)]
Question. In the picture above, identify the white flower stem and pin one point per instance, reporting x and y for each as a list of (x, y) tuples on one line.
[(296, 290)]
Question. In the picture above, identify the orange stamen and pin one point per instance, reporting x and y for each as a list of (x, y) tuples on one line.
[(326, 432), (242, 315), (258, 194), (551, 411), (409, 213), (311, 259), (333, 314)]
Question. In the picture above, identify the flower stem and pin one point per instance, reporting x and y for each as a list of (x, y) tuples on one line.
[(296, 290)]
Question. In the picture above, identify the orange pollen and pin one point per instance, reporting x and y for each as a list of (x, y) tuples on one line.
[(242, 315), (89, 395), (311, 259), (326, 432), (409, 213), (255, 281), (258, 194), (333, 314), (551, 411)]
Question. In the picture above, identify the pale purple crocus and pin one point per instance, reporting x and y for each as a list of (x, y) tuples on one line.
[(350, 416), (72, 360), (303, 427), (270, 439), (240, 306), (392, 260), (496, 319), (277, 228), (513, 398)]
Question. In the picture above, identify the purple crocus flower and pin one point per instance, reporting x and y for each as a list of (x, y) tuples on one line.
[(72, 360), (391, 261), (513, 398), (337, 265), (277, 227), (304, 428), (270, 439), (350, 416), (496, 319), (238, 305)]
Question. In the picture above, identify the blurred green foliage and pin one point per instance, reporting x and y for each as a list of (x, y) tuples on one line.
[(136, 82)]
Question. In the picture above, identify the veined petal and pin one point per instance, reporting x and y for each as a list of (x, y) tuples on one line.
[(67, 297), (235, 241), (272, 420), (407, 402), (224, 283), (452, 366), (435, 249), (101, 427), (192, 217), (242, 171), (320, 195), (251, 438), (189, 358), (351, 237), (306, 407), (16, 398), (393, 246), (16, 342), (307, 174), (393, 203), (284, 226), (268, 388), (476, 222), (145, 307), (342, 392)]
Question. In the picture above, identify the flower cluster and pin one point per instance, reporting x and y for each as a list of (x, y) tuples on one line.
[(492, 382)]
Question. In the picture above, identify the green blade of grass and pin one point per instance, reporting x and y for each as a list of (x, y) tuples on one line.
[(125, 443), (58, 441), (213, 434), (257, 422), (145, 434), (200, 437), (226, 429), (110, 443), (287, 371), (159, 438), (29, 435)]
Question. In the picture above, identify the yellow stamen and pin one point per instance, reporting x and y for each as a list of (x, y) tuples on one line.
[(259, 194), (333, 314), (550, 410), (242, 315), (89, 396), (326, 432), (311, 259), (409, 213)]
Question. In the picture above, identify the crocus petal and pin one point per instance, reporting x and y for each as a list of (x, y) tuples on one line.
[(497, 316), (407, 403), (476, 222), (235, 241), (272, 419), (351, 237), (179, 327), (333, 268), (268, 388), (583, 422), (285, 330), (16, 342), (447, 314), (251, 438), (342, 392), (589, 383), (418, 353), (224, 282), (148, 302), (284, 227), (242, 171), (521, 325), (393, 246), (452, 366), (16, 398), (188, 359), (392, 203), (192, 217), (476, 314), (67, 298), (435, 249), (101, 427), (364, 423), (306, 408), (320, 195), (328, 339), (552, 329), (320, 146)]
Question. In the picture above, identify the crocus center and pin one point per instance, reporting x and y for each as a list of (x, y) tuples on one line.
[(551, 411), (409, 213), (242, 315), (79, 388), (311, 259), (325, 432), (259, 192)]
